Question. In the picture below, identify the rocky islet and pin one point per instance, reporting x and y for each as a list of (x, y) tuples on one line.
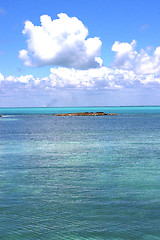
[(85, 114)]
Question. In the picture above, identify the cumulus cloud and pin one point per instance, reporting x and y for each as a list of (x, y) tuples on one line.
[(127, 58), (100, 78), (27, 79), (124, 54), (1, 77), (61, 42), (91, 78)]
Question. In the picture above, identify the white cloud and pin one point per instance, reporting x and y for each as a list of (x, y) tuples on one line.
[(22, 79), (141, 63), (101, 78), (91, 78), (1, 77), (13, 82), (124, 54), (61, 42), (98, 78)]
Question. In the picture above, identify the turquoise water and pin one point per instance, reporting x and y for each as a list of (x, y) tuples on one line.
[(77, 178), (132, 110)]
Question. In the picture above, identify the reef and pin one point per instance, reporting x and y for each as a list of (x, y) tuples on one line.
[(85, 114)]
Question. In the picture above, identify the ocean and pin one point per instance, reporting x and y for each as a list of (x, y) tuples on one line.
[(80, 178)]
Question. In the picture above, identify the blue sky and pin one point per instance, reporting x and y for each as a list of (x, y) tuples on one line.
[(115, 62)]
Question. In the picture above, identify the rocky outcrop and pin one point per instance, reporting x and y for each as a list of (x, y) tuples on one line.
[(0, 115), (85, 114)]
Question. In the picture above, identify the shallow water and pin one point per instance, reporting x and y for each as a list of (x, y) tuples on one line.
[(80, 177), (54, 110)]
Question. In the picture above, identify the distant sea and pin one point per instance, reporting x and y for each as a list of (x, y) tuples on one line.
[(80, 178)]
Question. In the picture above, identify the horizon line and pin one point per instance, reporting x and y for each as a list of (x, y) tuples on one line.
[(90, 106)]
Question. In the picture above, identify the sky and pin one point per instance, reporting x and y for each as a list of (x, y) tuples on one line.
[(59, 53)]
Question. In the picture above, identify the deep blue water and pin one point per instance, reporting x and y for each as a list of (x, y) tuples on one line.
[(80, 178)]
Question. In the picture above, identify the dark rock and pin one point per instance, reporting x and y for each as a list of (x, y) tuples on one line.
[(85, 114)]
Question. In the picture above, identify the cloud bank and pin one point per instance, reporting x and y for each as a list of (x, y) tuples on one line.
[(70, 87), (100, 78), (61, 42)]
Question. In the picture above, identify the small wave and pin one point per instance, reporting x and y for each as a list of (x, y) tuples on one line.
[(8, 118)]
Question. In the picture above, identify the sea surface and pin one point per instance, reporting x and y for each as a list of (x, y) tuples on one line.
[(80, 178)]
